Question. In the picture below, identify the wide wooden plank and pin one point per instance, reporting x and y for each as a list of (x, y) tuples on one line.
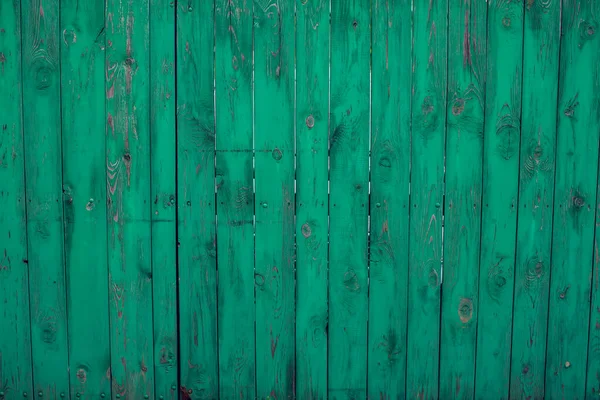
[(83, 142), (274, 35), (43, 170), (462, 206), (129, 198), (575, 200), (235, 199), (390, 175), (312, 199), (536, 197), (349, 198), (427, 179), (500, 190), (163, 177), (196, 223), (15, 340)]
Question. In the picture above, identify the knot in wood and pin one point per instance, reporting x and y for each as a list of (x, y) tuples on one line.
[(306, 230), (127, 157), (578, 201), (506, 21), (465, 310), (277, 154), (310, 121), (458, 107)]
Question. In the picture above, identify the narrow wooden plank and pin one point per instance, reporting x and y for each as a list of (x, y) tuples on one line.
[(163, 154), (43, 171), (312, 198), (462, 213), (427, 180), (500, 191), (15, 341), (274, 35), (129, 198), (575, 198), (196, 200), (235, 199), (390, 175), (536, 197), (83, 121), (349, 198)]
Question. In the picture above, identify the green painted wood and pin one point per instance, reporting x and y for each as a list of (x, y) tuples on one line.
[(427, 179), (196, 200), (128, 168), (462, 213), (43, 172), (163, 178), (312, 198), (389, 204), (349, 199), (575, 198), (536, 197), (274, 35), (84, 176), (235, 200), (15, 341), (500, 191)]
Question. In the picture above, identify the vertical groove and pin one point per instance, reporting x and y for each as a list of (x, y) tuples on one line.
[(214, 72), (178, 310), (328, 187), (517, 202), (370, 149), (150, 189), (254, 205)]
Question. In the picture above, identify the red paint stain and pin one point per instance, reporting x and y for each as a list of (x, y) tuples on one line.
[(41, 11), (110, 93), (273, 395), (457, 385), (124, 363), (111, 123), (273, 344)]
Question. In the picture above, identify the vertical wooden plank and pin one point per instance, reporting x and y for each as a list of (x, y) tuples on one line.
[(427, 180), (312, 198), (349, 201), (390, 170), (575, 198), (83, 122), (536, 197), (129, 198), (196, 200), (43, 171), (500, 191), (235, 199), (15, 341), (163, 153), (274, 147), (462, 214)]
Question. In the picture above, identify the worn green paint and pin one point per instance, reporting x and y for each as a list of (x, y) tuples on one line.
[(196, 200), (462, 214), (42, 133), (163, 189), (84, 187), (15, 341), (389, 203), (536, 197), (235, 200), (270, 221), (275, 203), (428, 135), (500, 187), (312, 199), (349, 199), (575, 198), (128, 163)]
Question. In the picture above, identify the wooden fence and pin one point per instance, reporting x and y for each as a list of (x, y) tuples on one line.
[(308, 199)]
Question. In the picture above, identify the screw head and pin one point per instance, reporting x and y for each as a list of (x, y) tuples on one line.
[(567, 364), (102, 395), (62, 395), (118, 396), (173, 387), (437, 205), (265, 205), (146, 396), (41, 394), (78, 394), (378, 205), (24, 394), (161, 397), (1, 394)]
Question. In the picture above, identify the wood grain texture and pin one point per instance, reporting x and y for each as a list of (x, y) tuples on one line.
[(575, 199), (349, 198), (43, 170), (501, 141), (128, 169), (85, 235), (462, 214), (428, 137), (163, 188), (389, 204), (274, 43), (235, 199), (312, 198), (196, 200), (15, 340), (536, 197)]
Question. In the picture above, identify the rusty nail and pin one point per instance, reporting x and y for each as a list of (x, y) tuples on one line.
[(190, 391)]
